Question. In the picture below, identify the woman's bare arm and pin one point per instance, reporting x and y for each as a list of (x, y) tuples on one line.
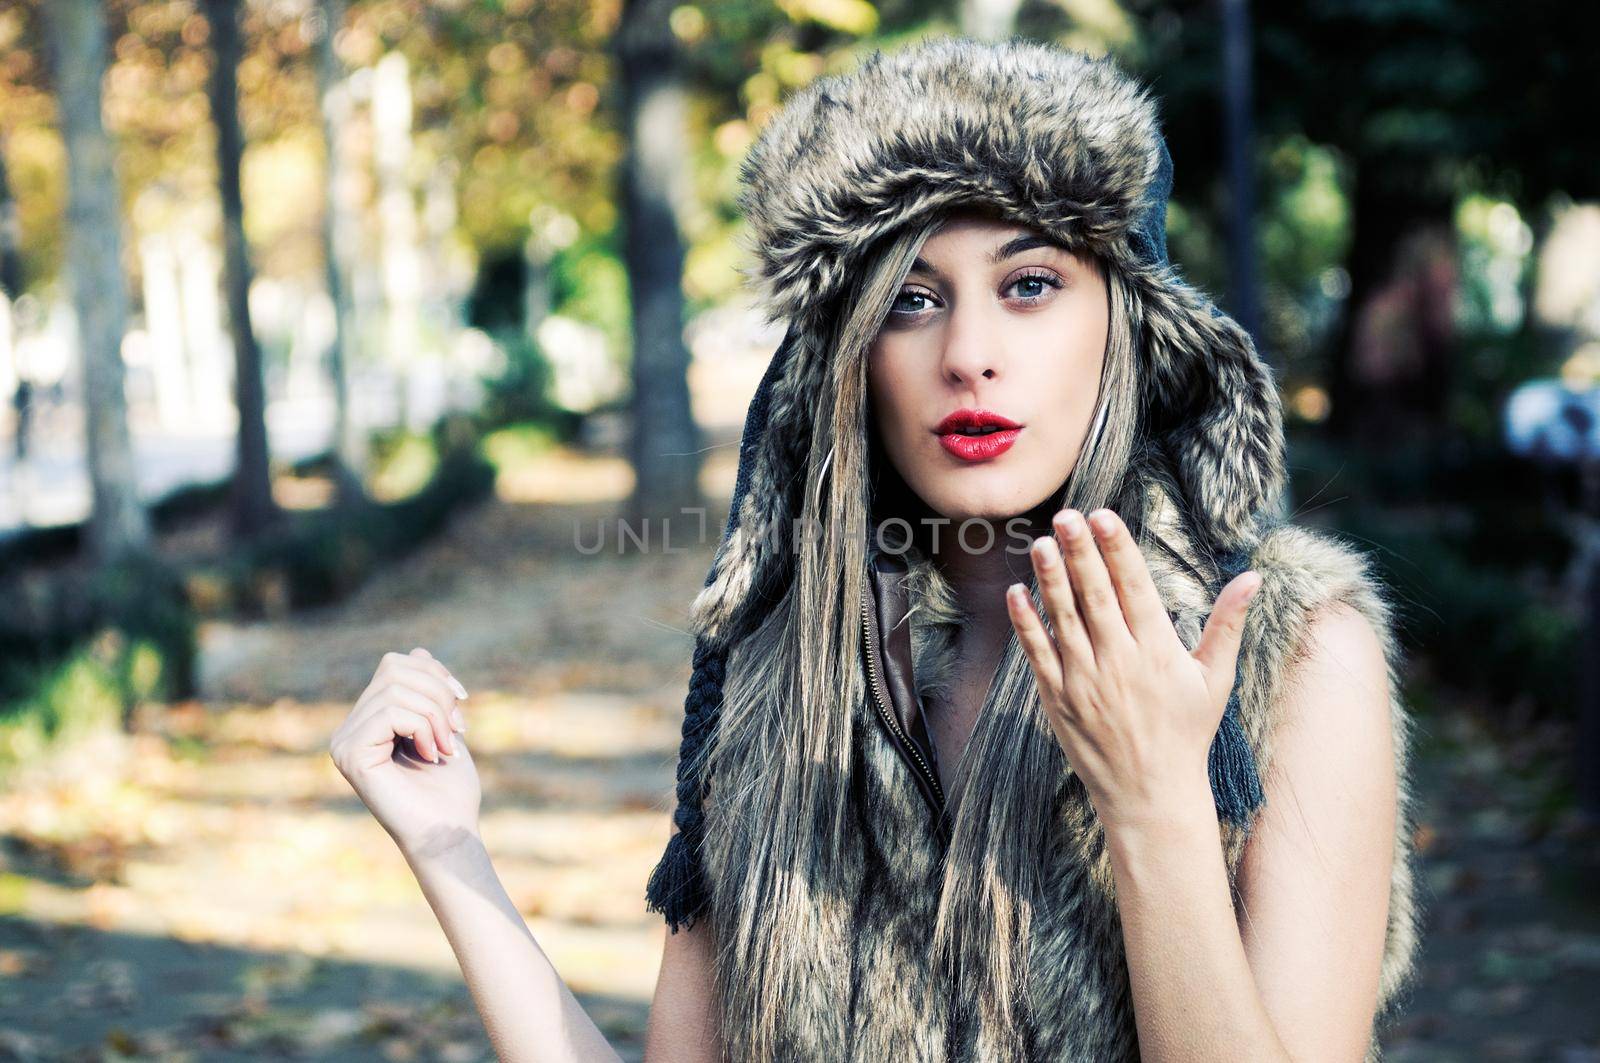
[(1315, 876), (1137, 712), (683, 1025), (403, 749), (1314, 882), (527, 1009)]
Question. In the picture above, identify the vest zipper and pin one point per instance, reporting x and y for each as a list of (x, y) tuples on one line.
[(908, 749)]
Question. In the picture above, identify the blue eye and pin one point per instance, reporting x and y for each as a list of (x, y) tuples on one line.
[(1043, 281), (897, 307)]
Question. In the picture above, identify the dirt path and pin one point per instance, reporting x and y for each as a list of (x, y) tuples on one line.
[(212, 890), (1511, 886), (215, 890)]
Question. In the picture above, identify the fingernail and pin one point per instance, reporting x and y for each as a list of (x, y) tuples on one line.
[(1101, 519), (1072, 523), (457, 719), (455, 684)]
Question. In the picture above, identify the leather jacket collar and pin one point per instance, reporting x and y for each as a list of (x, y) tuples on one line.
[(892, 683)]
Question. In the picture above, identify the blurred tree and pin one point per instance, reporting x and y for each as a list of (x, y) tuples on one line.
[(253, 510), (1239, 129), (35, 155), (400, 267), (11, 290), (118, 527), (1423, 102), (350, 443), (665, 445)]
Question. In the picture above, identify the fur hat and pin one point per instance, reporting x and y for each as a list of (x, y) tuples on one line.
[(1049, 138)]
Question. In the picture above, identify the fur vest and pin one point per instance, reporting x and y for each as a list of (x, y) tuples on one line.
[(878, 994), (1067, 144)]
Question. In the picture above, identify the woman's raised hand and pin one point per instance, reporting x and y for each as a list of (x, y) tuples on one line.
[(401, 749), (1133, 708)]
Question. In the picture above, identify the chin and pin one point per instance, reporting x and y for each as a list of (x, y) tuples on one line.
[(980, 495)]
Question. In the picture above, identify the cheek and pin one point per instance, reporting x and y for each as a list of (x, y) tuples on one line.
[(1073, 331), (890, 390), (1064, 376)]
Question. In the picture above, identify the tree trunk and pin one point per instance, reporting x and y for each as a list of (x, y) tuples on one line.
[(1586, 764), (349, 438), (666, 441), (1384, 212), (118, 527), (400, 268), (163, 320), (200, 299), (11, 290), (10, 234), (1239, 125), (253, 509)]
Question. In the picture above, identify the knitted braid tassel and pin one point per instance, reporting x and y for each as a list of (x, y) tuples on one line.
[(677, 887), (1235, 781)]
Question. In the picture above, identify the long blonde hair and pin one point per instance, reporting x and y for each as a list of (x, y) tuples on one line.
[(779, 764)]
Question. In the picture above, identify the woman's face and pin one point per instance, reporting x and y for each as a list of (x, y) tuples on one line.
[(992, 318)]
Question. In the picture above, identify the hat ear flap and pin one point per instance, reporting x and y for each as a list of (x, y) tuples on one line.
[(1214, 403), (767, 491)]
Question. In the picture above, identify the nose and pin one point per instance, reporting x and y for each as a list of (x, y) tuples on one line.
[(971, 347)]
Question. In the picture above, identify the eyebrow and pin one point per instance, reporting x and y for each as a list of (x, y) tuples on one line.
[(1014, 246)]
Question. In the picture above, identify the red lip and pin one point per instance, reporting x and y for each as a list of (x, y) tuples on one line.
[(968, 418), (977, 447)]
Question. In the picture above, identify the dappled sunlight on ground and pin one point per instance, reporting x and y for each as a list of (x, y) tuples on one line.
[(568, 478), (223, 825)]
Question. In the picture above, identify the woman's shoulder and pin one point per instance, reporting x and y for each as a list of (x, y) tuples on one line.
[(1320, 652), (1329, 723)]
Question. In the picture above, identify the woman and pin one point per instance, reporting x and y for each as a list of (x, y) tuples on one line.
[(964, 775)]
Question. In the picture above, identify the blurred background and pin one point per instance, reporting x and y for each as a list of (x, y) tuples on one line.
[(335, 327)]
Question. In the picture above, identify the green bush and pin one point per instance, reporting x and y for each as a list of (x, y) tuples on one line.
[(520, 394), (145, 600), (69, 698), (85, 653), (320, 556), (118, 637), (521, 391)]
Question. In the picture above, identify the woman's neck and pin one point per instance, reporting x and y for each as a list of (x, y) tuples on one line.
[(980, 566)]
